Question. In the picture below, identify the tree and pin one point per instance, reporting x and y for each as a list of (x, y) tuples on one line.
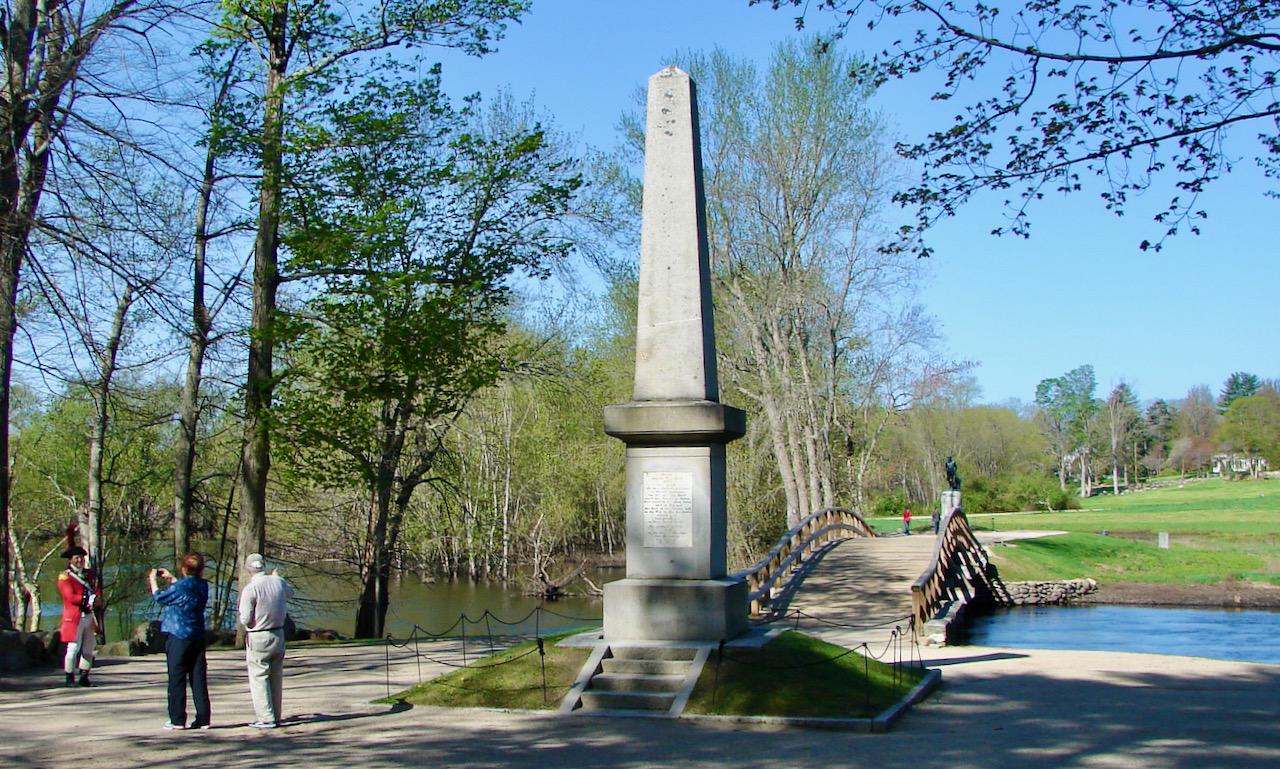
[(1158, 429), (1124, 89), (1239, 385), (1252, 424), (415, 221), (51, 89), (1122, 418), (307, 50), (220, 74), (1197, 415), (1193, 452), (1066, 411)]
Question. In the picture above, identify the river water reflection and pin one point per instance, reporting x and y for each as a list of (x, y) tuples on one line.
[(1225, 634), (437, 607)]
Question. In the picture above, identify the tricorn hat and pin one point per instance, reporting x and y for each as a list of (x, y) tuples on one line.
[(73, 551)]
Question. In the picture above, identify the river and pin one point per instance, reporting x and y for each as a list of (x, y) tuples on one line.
[(436, 608), (1225, 634)]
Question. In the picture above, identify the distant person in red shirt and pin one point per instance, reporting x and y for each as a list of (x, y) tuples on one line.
[(78, 624), (906, 521)]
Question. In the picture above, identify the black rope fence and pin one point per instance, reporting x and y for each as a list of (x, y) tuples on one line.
[(490, 640), (899, 653)]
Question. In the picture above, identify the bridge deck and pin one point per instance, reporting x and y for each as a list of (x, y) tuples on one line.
[(860, 590)]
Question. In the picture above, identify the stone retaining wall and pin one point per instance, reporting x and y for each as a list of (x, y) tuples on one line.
[(1036, 593), (948, 625)]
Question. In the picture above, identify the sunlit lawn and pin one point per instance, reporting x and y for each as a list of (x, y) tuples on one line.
[(1218, 530)]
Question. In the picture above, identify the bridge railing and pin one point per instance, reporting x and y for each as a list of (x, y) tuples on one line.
[(957, 556), (810, 534)]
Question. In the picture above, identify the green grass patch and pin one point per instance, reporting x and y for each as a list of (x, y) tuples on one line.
[(1218, 530), (1115, 559), (801, 677), (793, 675), (519, 678)]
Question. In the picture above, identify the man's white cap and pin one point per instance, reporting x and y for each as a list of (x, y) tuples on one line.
[(254, 563)]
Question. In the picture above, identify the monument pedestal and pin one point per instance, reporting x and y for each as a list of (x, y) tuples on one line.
[(675, 427), (950, 502), (675, 609)]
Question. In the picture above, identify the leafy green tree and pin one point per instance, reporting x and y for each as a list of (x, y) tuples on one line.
[(1127, 90), (1067, 407), (305, 51), (1239, 385), (1156, 434), (51, 465), (1252, 425), (416, 220)]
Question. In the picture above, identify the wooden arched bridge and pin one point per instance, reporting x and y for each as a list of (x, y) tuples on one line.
[(833, 577)]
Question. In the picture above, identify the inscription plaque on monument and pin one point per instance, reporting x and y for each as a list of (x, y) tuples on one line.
[(668, 509)]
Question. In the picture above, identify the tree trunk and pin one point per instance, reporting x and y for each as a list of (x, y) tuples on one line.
[(189, 410), (91, 528), (255, 461), (375, 571), (10, 264)]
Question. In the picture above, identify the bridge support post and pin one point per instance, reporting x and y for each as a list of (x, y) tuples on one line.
[(675, 427)]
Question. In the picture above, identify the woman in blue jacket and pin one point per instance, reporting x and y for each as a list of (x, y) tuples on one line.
[(184, 602)]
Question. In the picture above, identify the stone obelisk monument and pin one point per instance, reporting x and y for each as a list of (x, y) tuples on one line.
[(675, 428)]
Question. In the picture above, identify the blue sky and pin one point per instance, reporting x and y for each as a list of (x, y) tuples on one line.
[(1078, 291)]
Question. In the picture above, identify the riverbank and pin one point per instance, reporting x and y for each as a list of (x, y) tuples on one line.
[(1225, 594)]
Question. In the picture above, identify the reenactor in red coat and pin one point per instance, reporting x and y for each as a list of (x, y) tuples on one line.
[(78, 623)]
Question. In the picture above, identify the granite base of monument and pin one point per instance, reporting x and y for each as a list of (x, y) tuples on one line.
[(950, 501), (675, 609)]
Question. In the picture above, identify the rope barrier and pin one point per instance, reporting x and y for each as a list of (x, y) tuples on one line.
[(458, 631), (815, 664), (418, 634), (831, 623)]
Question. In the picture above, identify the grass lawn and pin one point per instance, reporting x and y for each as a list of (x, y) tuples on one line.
[(799, 676), (794, 675), (1218, 530), (520, 677)]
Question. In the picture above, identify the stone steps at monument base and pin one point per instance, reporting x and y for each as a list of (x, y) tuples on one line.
[(648, 667), (636, 678), (595, 700), (637, 684), (633, 651)]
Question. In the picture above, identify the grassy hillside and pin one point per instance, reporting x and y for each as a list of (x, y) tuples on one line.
[(1218, 530)]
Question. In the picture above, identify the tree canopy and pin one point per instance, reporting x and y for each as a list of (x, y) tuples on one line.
[(1240, 384), (1127, 90)]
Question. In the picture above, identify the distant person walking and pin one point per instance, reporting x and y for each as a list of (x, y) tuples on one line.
[(184, 601), (78, 626), (263, 606), (906, 520), (936, 519)]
